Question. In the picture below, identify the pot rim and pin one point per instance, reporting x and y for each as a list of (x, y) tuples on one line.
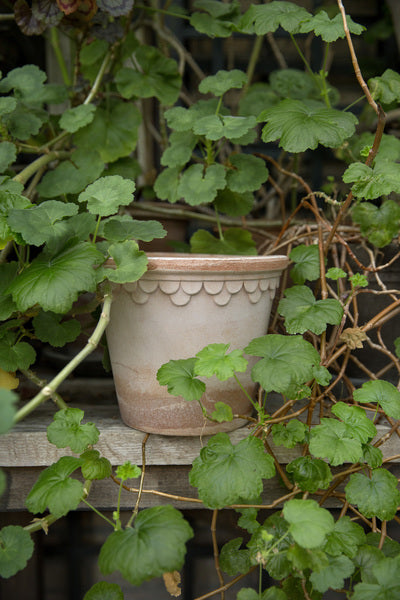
[(171, 261)]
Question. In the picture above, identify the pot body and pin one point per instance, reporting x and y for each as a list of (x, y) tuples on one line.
[(181, 304)]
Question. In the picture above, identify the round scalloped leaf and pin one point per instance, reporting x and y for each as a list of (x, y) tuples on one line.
[(73, 175), (38, 224), (233, 560), (180, 148), (219, 18), (95, 466), (130, 262), (378, 224), (375, 496), (223, 81), (181, 380), (309, 523), (128, 471), (382, 583), (345, 538), (24, 122), (247, 173), (232, 203), (289, 435), (66, 430), (334, 441), (25, 79), (16, 548), (155, 545), (167, 183), (197, 186), (266, 18), (8, 154), (16, 356), (306, 267), (223, 412), (214, 360), (236, 241), (363, 428), (382, 392), (333, 575), (310, 474), (303, 312), (77, 117), (386, 88), (228, 474), (373, 182), (121, 228), (107, 194), (104, 591), (7, 409), (330, 30), (49, 328), (214, 127)]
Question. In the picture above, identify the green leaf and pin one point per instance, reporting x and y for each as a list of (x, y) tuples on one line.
[(49, 328), (377, 496), (107, 194), (266, 18), (306, 259), (24, 122), (322, 375), (7, 274), (8, 154), (66, 430), (373, 182), (16, 548), (248, 519), (7, 409), (362, 428), (39, 224), (7, 105), (128, 471), (223, 412), (55, 489), (214, 360), (378, 224), (292, 83), (236, 241), (14, 356), (8, 201), (247, 173), (232, 203), (155, 545), (54, 279), (157, 76), (390, 548), (221, 18), (257, 98), (335, 273), (345, 538), (372, 456), (286, 361), (131, 263), (309, 523), (95, 466), (303, 312), (179, 376), (215, 127), (104, 591), (26, 80), (232, 560), (334, 440), (113, 132), (358, 280), (289, 435), (121, 228), (75, 118), (226, 474), (333, 575), (385, 88), (330, 30), (127, 167), (166, 185), (385, 584), (180, 148), (310, 474), (302, 125), (269, 546), (223, 81), (199, 187), (382, 392), (73, 175)]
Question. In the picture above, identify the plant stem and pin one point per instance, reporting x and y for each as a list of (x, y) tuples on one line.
[(42, 383), (94, 509), (99, 78), (160, 10), (216, 552), (93, 341), (245, 392), (136, 509), (37, 164), (55, 43), (255, 53)]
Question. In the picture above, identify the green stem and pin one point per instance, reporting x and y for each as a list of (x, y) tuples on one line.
[(303, 58), (220, 232), (162, 11), (99, 78), (37, 164), (245, 392), (42, 383), (94, 509), (41, 524), (118, 511), (323, 74), (93, 341), (55, 43), (255, 53), (218, 105), (97, 229)]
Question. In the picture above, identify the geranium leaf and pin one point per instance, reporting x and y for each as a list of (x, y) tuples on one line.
[(113, 132), (16, 548), (180, 148), (158, 76), (266, 18), (39, 224), (55, 489), (385, 583), (104, 591), (214, 127), (333, 575), (382, 392), (73, 175), (232, 559), (54, 279), (128, 471), (8, 201), (49, 328), (7, 274), (286, 360), (130, 262), (330, 30), (24, 122), (309, 523), (166, 184), (223, 81), (8, 154), (78, 116), (217, 20), (345, 538), (214, 360), (310, 474), (226, 474), (247, 173), (233, 203), (7, 409), (107, 194), (66, 430), (302, 125), (334, 440), (95, 466), (303, 312), (306, 267), (375, 496), (26, 80), (121, 228), (378, 224), (15, 356), (180, 378), (372, 456), (222, 412), (385, 88), (199, 187), (236, 241), (373, 182), (362, 428), (155, 545), (289, 435)]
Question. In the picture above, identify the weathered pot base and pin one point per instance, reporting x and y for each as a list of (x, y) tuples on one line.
[(181, 304)]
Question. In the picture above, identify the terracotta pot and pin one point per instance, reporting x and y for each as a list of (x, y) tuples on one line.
[(181, 304)]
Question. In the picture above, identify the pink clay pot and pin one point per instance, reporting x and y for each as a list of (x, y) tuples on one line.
[(181, 304)]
